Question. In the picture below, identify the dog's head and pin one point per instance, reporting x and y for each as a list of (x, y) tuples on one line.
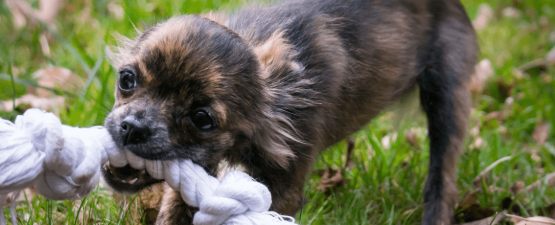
[(191, 88)]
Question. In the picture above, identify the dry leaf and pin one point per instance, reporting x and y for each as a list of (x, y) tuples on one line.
[(534, 155), (386, 140), (485, 13), (116, 10), (41, 98), (546, 77), (496, 115), (55, 76), (44, 45), (19, 20), (544, 21), (517, 187), (536, 220), (48, 104), (509, 101), (541, 133), (493, 188), (411, 138), (511, 12), (331, 178), (482, 71), (151, 198), (475, 131), (477, 143), (550, 209), (22, 11), (469, 199)]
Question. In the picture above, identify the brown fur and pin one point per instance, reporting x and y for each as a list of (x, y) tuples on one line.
[(284, 82)]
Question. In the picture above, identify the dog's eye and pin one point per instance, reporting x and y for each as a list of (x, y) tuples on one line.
[(127, 80), (202, 119)]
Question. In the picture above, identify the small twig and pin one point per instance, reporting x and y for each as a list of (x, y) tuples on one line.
[(534, 63), (550, 182), (350, 148), (476, 182)]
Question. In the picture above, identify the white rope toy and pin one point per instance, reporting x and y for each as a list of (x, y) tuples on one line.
[(63, 162)]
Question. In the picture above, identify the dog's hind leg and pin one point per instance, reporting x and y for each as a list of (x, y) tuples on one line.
[(445, 97)]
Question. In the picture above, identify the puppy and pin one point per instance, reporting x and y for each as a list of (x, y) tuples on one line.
[(269, 88)]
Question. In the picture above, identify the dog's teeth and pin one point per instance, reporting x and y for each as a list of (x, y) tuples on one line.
[(132, 181)]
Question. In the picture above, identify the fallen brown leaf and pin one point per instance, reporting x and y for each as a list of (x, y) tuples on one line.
[(544, 21), (536, 220), (48, 104), (19, 19), (116, 10), (493, 188), (482, 71), (517, 187), (541, 133), (511, 12), (151, 198), (331, 179), (550, 210), (44, 45), (411, 138), (550, 57), (469, 199), (22, 11), (498, 115), (55, 76), (485, 13), (477, 143)]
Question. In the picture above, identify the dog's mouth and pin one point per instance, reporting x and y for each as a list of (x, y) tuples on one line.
[(127, 179)]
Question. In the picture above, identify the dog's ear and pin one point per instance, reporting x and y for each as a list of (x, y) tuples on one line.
[(276, 54), (275, 132)]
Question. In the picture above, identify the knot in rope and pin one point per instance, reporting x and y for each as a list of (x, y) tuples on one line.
[(236, 199)]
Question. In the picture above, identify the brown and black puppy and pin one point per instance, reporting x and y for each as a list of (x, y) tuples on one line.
[(270, 87)]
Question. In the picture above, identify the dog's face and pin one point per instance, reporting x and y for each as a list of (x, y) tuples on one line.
[(188, 88)]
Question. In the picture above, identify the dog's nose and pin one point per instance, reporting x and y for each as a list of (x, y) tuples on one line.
[(133, 131)]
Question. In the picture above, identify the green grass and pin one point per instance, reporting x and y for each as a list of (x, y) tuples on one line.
[(386, 183)]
